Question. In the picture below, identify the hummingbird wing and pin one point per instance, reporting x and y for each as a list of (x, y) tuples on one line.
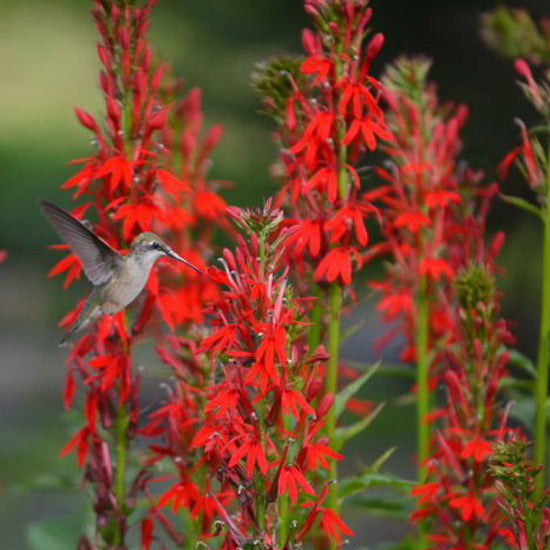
[(98, 259)]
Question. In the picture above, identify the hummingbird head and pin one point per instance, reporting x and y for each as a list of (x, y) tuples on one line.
[(148, 247)]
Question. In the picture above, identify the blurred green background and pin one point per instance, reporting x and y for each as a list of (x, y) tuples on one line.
[(48, 66)]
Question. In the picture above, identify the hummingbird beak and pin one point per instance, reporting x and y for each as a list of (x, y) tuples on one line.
[(177, 257)]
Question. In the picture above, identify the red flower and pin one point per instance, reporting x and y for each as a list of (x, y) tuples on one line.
[(337, 264), (251, 449), (468, 507), (120, 171), (426, 492), (333, 526), (478, 448), (290, 479), (367, 129), (412, 220), (317, 64), (320, 453), (435, 268)]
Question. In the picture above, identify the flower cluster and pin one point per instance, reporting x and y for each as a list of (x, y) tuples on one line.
[(326, 105), (458, 495), (533, 162), (528, 525), (260, 441), (423, 187), (440, 283), (148, 173)]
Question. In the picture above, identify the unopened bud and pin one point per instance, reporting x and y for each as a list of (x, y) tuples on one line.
[(314, 388), (375, 45), (309, 42), (324, 405), (86, 120), (157, 120), (212, 137)]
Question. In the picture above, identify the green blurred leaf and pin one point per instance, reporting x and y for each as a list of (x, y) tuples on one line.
[(382, 505), (523, 204), (56, 534), (523, 410), (381, 460), (357, 484), (344, 433), (510, 382), (351, 389), (521, 361), (350, 331)]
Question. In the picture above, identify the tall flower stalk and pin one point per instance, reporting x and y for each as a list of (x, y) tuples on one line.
[(422, 189), (261, 439), (326, 107), (532, 158), (127, 186)]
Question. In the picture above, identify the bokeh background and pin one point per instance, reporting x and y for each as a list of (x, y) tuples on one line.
[(48, 66)]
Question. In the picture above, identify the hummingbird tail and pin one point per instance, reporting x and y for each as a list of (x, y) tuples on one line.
[(89, 313)]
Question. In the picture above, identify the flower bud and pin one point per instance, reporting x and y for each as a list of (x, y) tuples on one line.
[(325, 404), (86, 120), (309, 42), (375, 45), (157, 120), (188, 143), (314, 387), (212, 137)]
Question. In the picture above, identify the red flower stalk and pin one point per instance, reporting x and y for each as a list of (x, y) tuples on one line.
[(533, 162), (423, 186), (261, 449), (326, 107), (328, 114), (129, 184), (458, 496), (422, 191)]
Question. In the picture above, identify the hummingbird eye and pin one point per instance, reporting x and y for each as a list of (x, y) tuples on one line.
[(155, 246)]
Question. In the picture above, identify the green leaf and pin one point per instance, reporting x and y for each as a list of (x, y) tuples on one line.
[(350, 331), (523, 204), (524, 411), (521, 361), (343, 433), (388, 506), (56, 534), (357, 484), (344, 395), (508, 382), (381, 460)]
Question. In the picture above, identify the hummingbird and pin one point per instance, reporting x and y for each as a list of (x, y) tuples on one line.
[(118, 279)]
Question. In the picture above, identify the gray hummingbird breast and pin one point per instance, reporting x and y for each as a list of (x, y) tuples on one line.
[(125, 285)]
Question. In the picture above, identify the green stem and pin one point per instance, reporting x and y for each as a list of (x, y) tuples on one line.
[(334, 307), (541, 387), (121, 423), (422, 396), (334, 312), (283, 519), (316, 319)]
